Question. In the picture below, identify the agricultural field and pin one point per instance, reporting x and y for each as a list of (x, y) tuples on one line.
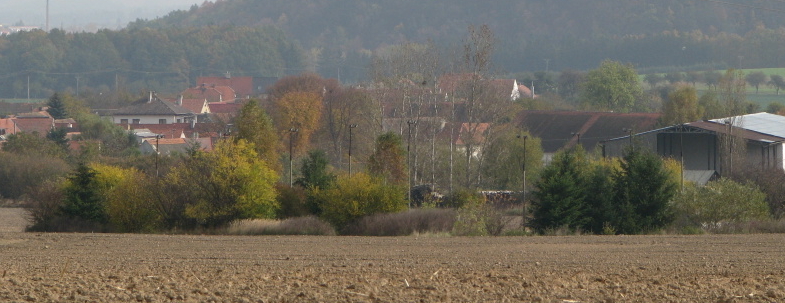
[(37, 267)]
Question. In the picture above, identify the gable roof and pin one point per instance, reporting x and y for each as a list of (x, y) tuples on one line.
[(153, 106), (213, 93), (556, 128), (460, 132), (243, 86), (197, 106), (225, 107), (176, 130), (40, 125)]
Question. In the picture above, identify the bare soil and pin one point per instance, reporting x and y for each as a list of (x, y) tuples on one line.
[(37, 267)]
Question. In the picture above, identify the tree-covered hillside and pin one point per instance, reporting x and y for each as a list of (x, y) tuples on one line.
[(139, 59), (569, 34)]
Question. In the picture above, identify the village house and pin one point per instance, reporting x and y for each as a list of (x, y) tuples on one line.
[(153, 110), (244, 87), (210, 92), (167, 147)]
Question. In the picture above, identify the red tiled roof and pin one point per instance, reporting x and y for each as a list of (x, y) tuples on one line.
[(449, 83), (225, 107), (178, 129), (462, 131), (243, 86), (40, 125), (213, 93), (7, 125)]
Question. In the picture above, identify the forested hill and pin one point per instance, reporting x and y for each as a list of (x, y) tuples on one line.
[(570, 33)]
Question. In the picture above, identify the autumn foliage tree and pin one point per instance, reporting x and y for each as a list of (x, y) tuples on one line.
[(256, 128), (300, 111), (388, 160)]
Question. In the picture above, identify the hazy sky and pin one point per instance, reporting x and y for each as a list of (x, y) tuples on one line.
[(71, 14)]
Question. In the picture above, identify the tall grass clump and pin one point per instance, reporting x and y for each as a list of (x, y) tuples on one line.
[(415, 221), (309, 225)]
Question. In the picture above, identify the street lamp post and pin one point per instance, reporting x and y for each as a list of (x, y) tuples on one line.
[(292, 133), (408, 159), (351, 127)]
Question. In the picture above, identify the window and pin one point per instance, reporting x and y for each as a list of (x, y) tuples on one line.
[(123, 121), (137, 121), (161, 121), (179, 120)]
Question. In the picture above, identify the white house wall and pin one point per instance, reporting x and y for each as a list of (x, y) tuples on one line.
[(149, 119)]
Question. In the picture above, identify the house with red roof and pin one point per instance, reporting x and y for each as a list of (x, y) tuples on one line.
[(174, 146), (244, 87), (197, 106), (225, 111), (210, 92), (37, 123), (451, 84)]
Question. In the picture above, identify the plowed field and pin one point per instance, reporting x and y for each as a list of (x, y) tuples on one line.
[(161, 268)]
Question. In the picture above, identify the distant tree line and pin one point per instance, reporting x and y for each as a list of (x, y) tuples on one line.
[(660, 35), (140, 59)]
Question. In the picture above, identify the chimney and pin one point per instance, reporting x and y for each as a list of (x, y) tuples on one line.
[(150, 99), (228, 75), (180, 101)]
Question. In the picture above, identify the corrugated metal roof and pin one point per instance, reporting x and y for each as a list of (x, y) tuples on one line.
[(764, 123)]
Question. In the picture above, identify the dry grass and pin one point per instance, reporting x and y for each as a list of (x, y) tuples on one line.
[(415, 221), (295, 226), (750, 227)]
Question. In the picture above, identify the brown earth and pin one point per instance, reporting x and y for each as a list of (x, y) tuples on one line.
[(160, 268)]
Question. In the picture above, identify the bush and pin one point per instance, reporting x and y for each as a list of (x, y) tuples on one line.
[(356, 196), (22, 174), (405, 223), (720, 202), (292, 201), (224, 185), (131, 205), (43, 207), (477, 218), (309, 225)]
